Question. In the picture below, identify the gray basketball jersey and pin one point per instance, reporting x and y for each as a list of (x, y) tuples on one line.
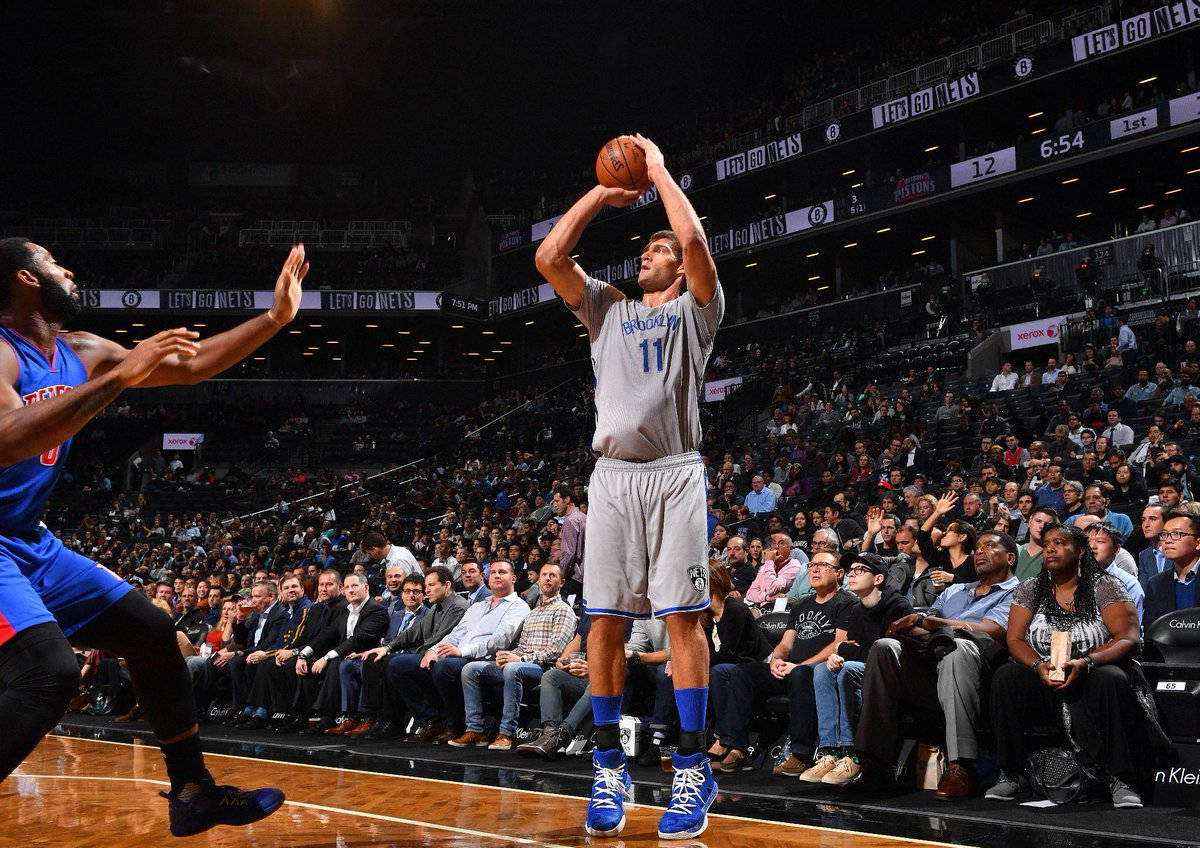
[(649, 364)]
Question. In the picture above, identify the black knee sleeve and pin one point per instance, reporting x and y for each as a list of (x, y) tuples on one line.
[(38, 676), (143, 634)]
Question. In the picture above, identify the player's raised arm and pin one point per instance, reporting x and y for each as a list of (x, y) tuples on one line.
[(698, 267), (33, 429), (553, 257), (214, 355)]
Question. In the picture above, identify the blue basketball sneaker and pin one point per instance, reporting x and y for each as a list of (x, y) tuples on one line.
[(692, 792), (210, 805), (611, 788)]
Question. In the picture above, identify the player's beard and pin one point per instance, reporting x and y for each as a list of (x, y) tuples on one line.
[(60, 304)]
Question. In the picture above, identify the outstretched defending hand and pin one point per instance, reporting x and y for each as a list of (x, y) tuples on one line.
[(151, 352), (287, 287)]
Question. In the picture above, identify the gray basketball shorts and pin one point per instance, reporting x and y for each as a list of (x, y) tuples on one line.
[(646, 549)]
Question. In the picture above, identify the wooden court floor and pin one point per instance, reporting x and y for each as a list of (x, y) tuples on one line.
[(84, 793)]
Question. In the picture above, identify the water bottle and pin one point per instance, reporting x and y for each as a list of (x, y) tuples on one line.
[(205, 649)]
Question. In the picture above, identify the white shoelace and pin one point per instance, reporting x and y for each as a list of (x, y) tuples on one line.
[(685, 790), (607, 785)]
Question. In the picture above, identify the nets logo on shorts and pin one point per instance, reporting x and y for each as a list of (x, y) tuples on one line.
[(699, 578)]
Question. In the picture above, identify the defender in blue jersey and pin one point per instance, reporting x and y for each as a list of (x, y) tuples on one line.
[(51, 384)]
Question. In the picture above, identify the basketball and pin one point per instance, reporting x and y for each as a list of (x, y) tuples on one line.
[(622, 164)]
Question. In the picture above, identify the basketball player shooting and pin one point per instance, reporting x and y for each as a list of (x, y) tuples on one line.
[(647, 551), (51, 384)]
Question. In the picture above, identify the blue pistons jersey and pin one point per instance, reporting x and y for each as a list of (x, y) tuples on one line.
[(41, 580), (26, 485)]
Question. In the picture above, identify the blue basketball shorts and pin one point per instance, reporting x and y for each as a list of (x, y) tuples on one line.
[(42, 581)]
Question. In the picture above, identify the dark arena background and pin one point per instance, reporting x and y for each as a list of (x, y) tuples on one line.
[(960, 277)]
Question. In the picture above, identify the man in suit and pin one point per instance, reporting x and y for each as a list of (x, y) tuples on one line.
[(359, 625), (403, 653), (295, 605), (1175, 588), (1151, 560), (254, 631), (362, 680), (290, 694)]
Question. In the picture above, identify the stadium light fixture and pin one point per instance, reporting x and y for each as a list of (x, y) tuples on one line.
[(488, 333), (137, 325), (583, 335), (528, 323), (928, 238), (371, 326), (883, 230), (1191, 149), (634, 238), (751, 264), (1025, 200), (120, 331), (1036, 115), (1147, 80), (307, 353), (1172, 191), (1116, 190), (404, 332), (497, 351), (259, 358), (933, 148), (456, 326), (411, 359), (917, 252), (857, 185), (847, 173), (1083, 214), (199, 325), (1193, 171), (332, 341), (312, 347), (703, 217), (472, 353), (425, 343), (814, 277), (1146, 206), (822, 288), (1038, 130), (388, 344), (315, 325), (293, 332), (505, 342), (770, 197), (812, 255), (850, 245), (574, 255), (1071, 180), (337, 359), (489, 359)]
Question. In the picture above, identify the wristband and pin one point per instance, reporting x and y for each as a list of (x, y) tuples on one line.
[(920, 619), (1034, 665), (1089, 663)]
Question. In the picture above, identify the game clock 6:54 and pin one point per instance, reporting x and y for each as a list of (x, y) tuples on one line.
[(1061, 146)]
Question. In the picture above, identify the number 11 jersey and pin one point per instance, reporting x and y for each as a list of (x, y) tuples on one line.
[(649, 364)]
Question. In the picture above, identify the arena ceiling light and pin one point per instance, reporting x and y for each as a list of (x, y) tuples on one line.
[(1083, 214), (294, 332), (932, 148), (1147, 80), (528, 323), (1172, 191), (332, 341), (424, 342), (850, 245), (751, 264), (770, 197), (337, 359), (314, 325), (1191, 149), (472, 353), (137, 325), (917, 252), (574, 255), (928, 238), (260, 359), (883, 230), (857, 185), (814, 277), (411, 359), (456, 326), (1146, 206), (1116, 190), (634, 238), (1193, 171), (199, 325), (313, 347), (120, 331), (307, 353), (489, 359), (497, 351), (847, 173), (1038, 130), (371, 326), (1025, 200), (813, 255), (388, 344), (404, 332), (505, 342), (1071, 180), (822, 288), (1036, 115), (488, 333)]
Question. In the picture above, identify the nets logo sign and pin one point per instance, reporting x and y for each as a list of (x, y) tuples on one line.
[(1033, 333)]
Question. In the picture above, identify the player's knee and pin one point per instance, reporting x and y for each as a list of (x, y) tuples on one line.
[(48, 682)]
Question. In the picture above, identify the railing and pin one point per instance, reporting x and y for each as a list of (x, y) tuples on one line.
[(356, 234), (1113, 264)]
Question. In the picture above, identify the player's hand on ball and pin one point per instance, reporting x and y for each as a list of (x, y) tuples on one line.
[(654, 156), (618, 197), (287, 287)]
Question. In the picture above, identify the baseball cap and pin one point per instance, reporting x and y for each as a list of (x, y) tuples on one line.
[(870, 560)]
